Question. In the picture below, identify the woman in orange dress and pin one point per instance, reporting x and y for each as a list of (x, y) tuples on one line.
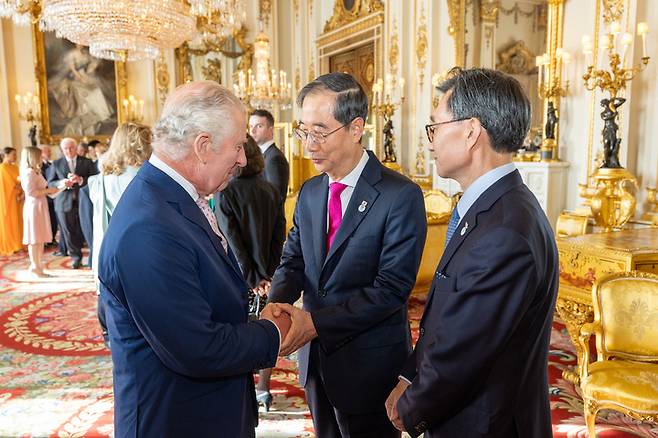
[(36, 219), (11, 200)]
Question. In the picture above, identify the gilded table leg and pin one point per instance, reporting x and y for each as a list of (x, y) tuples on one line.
[(574, 315)]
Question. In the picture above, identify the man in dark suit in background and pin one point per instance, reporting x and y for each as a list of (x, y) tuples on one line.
[(355, 247), (70, 172), (277, 169), (176, 301), (479, 368)]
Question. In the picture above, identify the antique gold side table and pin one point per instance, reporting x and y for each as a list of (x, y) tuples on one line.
[(585, 258)]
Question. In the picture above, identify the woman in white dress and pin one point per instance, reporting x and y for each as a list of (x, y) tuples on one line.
[(129, 148)]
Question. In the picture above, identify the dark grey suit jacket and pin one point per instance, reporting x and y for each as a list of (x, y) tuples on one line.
[(60, 170), (357, 292), (479, 368), (277, 170)]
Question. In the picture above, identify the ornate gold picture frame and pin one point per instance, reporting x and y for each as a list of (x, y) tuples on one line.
[(79, 96)]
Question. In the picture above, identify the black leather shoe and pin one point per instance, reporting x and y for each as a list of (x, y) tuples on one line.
[(60, 254), (264, 398), (77, 264)]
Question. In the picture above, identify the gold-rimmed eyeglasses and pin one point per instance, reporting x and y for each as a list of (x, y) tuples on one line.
[(316, 137)]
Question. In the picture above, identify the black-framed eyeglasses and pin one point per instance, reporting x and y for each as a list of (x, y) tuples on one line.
[(316, 137), (429, 129)]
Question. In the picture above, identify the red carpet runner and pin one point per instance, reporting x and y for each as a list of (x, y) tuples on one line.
[(56, 378)]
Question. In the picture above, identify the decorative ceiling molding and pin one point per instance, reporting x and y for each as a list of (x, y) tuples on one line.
[(343, 16)]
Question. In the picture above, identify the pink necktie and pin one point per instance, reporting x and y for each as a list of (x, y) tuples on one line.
[(207, 212), (335, 211)]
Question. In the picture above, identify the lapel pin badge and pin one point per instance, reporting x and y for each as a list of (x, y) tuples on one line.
[(362, 207), (463, 231)]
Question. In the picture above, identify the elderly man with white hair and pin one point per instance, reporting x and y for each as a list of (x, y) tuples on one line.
[(176, 301), (70, 172)]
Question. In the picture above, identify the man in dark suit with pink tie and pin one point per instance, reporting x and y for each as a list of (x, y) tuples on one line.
[(479, 368), (355, 247)]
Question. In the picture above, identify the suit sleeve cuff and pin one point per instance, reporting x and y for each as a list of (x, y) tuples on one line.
[(278, 334)]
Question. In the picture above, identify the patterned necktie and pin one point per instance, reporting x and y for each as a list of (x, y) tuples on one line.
[(335, 211), (207, 212), (452, 225)]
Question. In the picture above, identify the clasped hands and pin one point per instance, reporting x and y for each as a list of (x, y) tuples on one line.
[(296, 326), (72, 179)]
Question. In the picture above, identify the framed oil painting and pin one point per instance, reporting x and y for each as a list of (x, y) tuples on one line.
[(78, 93)]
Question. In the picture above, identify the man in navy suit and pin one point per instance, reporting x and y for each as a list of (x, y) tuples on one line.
[(176, 301), (277, 169), (354, 249), (479, 368)]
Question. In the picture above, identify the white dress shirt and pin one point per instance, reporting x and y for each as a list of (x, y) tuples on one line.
[(350, 181), (265, 146), (185, 184)]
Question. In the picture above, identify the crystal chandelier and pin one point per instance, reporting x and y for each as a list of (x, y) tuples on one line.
[(22, 12), (226, 16), (120, 30), (128, 30), (216, 20), (267, 87)]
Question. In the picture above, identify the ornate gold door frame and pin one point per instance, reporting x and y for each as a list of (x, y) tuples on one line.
[(351, 29)]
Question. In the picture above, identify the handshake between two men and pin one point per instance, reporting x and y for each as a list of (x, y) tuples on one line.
[(295, 325)]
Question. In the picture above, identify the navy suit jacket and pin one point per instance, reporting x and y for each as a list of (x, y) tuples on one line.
[(277, 170), (479, 368), (176, 304), (357, 293)]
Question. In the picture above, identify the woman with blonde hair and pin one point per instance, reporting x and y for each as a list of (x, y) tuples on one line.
[(36, 219), (129, 148)]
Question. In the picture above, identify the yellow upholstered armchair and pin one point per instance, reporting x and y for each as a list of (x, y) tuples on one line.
[(625, 375)]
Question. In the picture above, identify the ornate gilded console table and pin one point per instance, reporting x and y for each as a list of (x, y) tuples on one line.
[(585, 258)]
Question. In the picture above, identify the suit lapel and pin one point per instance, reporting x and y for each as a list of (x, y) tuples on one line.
[(470, 221), (362, 199), (63, 166), (187, 207), (193, 213), (361, 202), (319, 219)]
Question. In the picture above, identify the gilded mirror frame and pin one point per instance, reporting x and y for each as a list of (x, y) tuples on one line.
[(554, 38)]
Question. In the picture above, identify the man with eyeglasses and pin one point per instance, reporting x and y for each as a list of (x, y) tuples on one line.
[(355, 247), (479, 368)]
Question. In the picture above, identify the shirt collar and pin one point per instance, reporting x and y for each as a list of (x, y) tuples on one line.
[(352, 178), (266, 145), (480, 185), (185, 184)]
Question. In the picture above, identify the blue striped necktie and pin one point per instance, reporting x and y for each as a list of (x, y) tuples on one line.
[(452, 225)]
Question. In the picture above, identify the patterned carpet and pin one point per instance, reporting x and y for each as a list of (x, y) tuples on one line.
[(56, 378)]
